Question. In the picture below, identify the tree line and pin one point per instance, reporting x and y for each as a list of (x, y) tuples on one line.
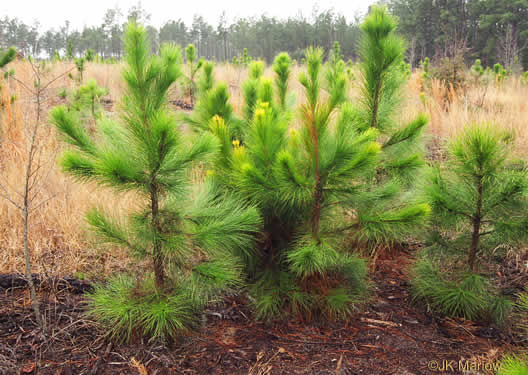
[(492, 30)]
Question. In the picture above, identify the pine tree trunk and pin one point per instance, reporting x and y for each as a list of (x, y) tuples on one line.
[(318, 195), (375, 107), (157, 251), (475, 240)]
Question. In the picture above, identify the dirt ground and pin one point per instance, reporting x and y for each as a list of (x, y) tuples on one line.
[(391, 335)]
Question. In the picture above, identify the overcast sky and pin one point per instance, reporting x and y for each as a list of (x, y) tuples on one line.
[(53, 13)]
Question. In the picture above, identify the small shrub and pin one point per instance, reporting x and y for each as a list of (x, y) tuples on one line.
[(477, 71), (7, 56), (524, 78), (89, 55), (500, 73), (451, 71)]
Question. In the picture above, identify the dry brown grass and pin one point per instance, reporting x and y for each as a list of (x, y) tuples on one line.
[(59, 241)]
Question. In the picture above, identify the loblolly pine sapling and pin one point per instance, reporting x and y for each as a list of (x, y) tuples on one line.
[(69, 50), (86, 100), (500, 73), (282, 68), (312, 186), (206, 81), (478, 198), (80, 65), (7, 56), (188, 233), (401, 155), (477, 71), (194, 66), (89, 55), (331, 177), (335, 69)]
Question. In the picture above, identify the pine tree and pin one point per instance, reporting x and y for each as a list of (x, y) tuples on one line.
[(189, 234), (306, 184), (89, 56), (381, 83), (480, 195), (206, 81), (334, 176), (7, 56), (86, 101), (479, 200), (477, 71), (69, 50), (336, 69), (282, 68), (194, 65), (80, 65)]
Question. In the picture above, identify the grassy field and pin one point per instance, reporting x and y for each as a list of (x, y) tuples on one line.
[(59, 241)]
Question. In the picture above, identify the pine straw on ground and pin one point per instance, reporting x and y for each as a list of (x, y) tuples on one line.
[(390, 336)]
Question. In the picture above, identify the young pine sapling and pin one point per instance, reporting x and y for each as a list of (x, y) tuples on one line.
[(191, 236)]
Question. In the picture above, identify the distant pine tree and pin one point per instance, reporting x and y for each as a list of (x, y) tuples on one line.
[(7, 56), (194, 65)]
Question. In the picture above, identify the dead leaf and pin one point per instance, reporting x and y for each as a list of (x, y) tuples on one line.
[(139, 366), (28, 369)]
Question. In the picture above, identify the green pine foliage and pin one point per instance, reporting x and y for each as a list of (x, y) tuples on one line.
[(524, 78), (457, 294), (521, 316), (69, 50), (7, 56), (206, 81), (500, 73), (194, 65), (282, 68), (426, 75), (80, 65), (322, 185), (477, 71), (381, 82), (478, 197), (336, 70), (513, 365), (89, 55), (86, 100), (191, 236)]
